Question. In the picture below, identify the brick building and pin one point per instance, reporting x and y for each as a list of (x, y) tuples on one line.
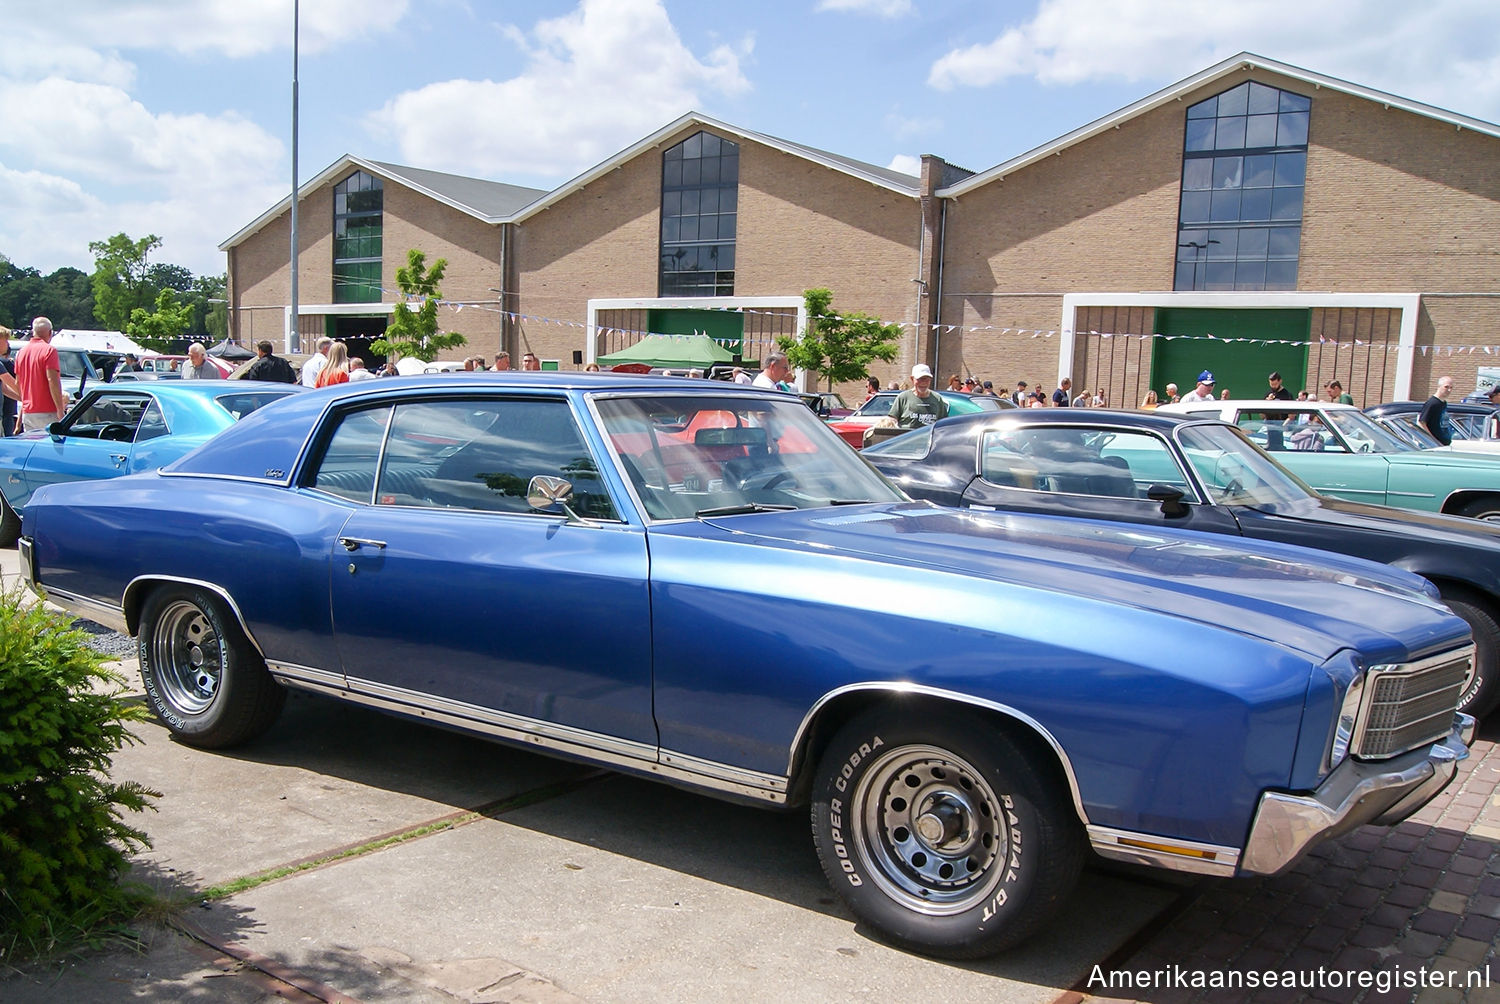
[(1307, 224)]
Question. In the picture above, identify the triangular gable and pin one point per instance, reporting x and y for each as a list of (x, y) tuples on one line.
[(1243, 61)]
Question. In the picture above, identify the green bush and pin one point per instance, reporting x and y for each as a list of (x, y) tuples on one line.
[(63, 835)]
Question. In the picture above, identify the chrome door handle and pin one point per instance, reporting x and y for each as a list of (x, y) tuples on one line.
[(355, 543), (118, 458)]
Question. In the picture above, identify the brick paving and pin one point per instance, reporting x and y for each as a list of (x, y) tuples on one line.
[(1388, 902)]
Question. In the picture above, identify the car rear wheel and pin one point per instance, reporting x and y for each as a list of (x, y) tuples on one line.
[(1486, 507), (203, 679), (942, 833), (1482, 686), (10, 524)]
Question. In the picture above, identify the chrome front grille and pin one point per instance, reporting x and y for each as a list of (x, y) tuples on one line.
[(1411, 704)]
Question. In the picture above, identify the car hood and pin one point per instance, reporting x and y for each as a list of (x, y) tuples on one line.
[(1430, 530), (1313, 602)]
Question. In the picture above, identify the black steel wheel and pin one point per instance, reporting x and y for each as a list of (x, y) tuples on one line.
[(942, 833), (1486, 507), (1482, 685), (203, 679)]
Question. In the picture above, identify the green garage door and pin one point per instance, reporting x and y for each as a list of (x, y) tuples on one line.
[(727, 327), (1239, 367)]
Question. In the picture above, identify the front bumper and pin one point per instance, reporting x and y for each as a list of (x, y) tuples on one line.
[(1356, 792)]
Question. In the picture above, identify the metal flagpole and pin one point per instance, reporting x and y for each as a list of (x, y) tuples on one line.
[(293, 338)]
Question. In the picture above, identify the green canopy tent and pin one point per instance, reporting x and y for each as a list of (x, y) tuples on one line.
[(671, 352)]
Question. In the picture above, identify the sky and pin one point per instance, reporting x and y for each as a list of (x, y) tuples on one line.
[(173, 117)]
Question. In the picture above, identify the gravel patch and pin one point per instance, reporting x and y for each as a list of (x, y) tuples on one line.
[(106, 640)]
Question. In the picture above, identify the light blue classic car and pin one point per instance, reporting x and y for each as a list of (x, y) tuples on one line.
[(701, 583), (1341, 451), (115, 430)]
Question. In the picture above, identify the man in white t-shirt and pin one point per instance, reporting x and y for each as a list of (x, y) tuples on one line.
[(773, 372), (1204, 391), (315, 363)]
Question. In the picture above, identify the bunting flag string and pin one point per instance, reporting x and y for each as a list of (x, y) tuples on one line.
[(1332, 344)]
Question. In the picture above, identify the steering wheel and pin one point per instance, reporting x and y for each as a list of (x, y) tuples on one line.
[(1367, 447), (117, 433), (775, 479)]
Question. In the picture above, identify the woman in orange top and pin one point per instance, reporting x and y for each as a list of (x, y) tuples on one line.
[(337, 369)]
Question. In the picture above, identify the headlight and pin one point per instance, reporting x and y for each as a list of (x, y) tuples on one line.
[(1343, 727)]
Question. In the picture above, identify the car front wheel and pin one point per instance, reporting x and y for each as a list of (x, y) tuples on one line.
[(1482, 686), (203, 679), (942, 833)]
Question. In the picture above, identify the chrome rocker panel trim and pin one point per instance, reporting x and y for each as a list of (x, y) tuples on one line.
[(1357, 792), (108, 614), (520, 730)]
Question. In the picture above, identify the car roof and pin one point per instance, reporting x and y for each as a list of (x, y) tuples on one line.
[(1081, 416), (1405, 407), (268, 444), (1258, 404)]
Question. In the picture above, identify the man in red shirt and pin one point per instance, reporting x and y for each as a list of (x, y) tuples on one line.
[(39, 375)]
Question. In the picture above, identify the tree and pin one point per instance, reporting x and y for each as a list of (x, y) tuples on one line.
[(155, 329), (414, 333), (120, 279), (839, 346)]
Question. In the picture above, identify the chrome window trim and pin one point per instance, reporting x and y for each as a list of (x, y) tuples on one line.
[(897, 688)]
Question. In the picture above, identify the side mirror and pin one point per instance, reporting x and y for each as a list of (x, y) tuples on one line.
[(545, 493), (1169, 498), (55, 429)]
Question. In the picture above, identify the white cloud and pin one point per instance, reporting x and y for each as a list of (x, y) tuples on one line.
[(907, 164), (879, 8), (1441, 52), (576, 102), (193, 179), (230, 27)]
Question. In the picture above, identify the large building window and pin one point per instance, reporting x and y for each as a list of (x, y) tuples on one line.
[(1244, 163), (699, 205), (357, 204)]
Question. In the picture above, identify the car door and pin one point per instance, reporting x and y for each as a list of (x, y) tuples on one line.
[(451, 595), (96, 440), (1094, 472)]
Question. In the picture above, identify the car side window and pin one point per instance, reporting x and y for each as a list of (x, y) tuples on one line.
[(1279, 431), (482, 454), (112, 417), (347, 467), (153, 423), (1076, 461)]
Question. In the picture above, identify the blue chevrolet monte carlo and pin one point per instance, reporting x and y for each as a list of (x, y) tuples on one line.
[(702, 583)]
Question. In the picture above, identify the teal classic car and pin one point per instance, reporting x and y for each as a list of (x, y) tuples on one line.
[(1341, 451)]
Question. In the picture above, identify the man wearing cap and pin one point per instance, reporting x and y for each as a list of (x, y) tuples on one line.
[(919, 406), (1278, 392), (1204, 391)]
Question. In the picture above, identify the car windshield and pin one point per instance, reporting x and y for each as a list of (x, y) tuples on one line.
[(912, 446), (702, 456), (1234, 471), (1405, 426), (1364, 434)]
